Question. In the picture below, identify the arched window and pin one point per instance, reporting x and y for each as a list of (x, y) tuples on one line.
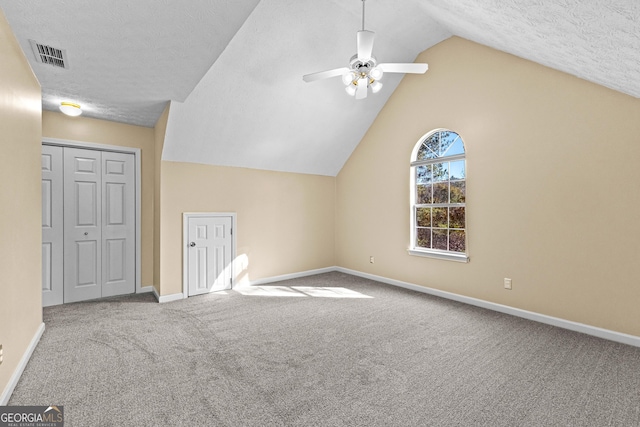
[(438, 197)]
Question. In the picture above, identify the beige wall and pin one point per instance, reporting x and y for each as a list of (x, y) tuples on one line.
[(57, 125), (20, 204), (553, 164), (285, 221)]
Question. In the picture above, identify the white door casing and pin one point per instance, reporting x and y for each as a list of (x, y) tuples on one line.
[(118, 224), (52, 226), (82, 224), (208, 251)]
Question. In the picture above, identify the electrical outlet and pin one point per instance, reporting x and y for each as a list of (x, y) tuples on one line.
[(507, 283), (371, 260)]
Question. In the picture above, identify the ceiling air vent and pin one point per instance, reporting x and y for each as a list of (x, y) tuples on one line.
[(49, 55)]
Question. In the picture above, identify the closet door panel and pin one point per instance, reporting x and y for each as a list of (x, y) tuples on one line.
[(118, 224), (52, 226), (82, 224)]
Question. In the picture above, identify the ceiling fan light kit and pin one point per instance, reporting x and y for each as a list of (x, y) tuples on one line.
[(364, 72)]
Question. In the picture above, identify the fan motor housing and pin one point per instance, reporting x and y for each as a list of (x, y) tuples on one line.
[(360, 67)]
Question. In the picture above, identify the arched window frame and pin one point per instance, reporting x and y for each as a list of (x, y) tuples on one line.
[(438, 158)]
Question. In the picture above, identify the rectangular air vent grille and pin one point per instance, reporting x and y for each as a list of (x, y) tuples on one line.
[(49, 55)]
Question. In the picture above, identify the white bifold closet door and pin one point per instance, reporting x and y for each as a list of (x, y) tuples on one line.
[(99, 224)]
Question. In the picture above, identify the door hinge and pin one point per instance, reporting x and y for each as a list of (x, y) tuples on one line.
[(232, 231)]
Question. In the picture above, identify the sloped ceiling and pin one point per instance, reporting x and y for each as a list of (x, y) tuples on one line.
[(252, 108), (233, 69)]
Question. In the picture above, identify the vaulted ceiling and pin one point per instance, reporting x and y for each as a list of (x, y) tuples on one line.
[(233, 69)]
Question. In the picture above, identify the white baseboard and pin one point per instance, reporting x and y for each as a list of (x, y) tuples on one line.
[(13, 381), (166, 298), (530, 315), (145, 289), (291, 276)]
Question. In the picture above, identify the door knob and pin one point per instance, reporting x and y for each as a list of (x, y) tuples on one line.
[(192, 244), (86, 233)]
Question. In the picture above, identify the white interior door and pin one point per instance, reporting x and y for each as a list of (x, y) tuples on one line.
[(118, 224), (209, 253), (82, 224), (52, 226)]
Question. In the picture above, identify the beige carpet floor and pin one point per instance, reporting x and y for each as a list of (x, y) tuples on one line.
[(315, 352)]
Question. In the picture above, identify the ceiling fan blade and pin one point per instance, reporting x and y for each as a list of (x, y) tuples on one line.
[(324, 74), (365, 45), (404, 68), (361, 91)]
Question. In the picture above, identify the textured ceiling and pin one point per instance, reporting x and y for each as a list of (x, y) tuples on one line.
[(597, 40), (127, 58), (246, 59)]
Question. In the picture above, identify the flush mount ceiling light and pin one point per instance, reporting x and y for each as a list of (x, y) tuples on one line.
[(70, 108), (364, 72)]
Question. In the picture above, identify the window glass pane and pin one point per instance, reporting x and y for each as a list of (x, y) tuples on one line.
[(456, 169), (440, 239), (441, 171), (439, 217), (456, 217), (456, 147), (423, 174), (441, 192), (423, 217), (429, 148), (447, 139), (458, 192), (424, 195), (456, 241), (423, 237)]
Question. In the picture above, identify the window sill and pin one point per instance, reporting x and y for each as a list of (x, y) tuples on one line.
[(449, 256)]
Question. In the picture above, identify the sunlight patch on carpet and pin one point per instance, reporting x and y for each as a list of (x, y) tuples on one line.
[(299, 291), (329, 292), (268, 291)]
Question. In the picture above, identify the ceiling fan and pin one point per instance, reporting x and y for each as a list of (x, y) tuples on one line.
[(364, 71)]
